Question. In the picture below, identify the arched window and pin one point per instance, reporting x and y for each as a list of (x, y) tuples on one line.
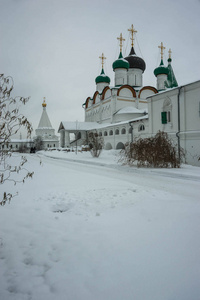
[(167, 111), (110, 132), (100, 133), (117, 131), (141, 127), (123, 131), (130, 130), (105, 133)]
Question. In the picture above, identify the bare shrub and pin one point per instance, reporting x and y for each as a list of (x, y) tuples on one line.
[(157, 152), (11, 121)]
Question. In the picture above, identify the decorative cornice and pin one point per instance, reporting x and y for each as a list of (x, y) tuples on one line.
[(148, 88), (127, 87)]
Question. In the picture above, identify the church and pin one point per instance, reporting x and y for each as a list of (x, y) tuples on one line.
[(129, 109), (45, 130)]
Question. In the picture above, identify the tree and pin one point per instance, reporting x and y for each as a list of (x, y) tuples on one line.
[(38, 143), (95, 143), (11, 121)]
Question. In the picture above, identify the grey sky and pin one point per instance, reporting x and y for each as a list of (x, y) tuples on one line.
[(51, 48)]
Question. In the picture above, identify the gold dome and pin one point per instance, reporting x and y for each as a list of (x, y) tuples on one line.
[(44, 103)]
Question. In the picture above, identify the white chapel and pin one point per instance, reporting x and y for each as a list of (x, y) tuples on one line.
[(46, 131)]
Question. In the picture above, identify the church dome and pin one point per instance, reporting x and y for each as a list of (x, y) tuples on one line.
[(161, 69), (135, 61), (102, 78), (120, 63)]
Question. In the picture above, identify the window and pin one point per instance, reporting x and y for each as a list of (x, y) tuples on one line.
[(110, 132), (16, 146), (117, 131), (100, 133), (105, 133), (166, 111), (165, 117), (123, 131), (130, 130), (141, 127)]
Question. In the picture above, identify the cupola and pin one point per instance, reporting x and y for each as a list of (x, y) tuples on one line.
[(102, 80), (120, 66), (137, 65), (171, 79), (120, 63), (161, 72)]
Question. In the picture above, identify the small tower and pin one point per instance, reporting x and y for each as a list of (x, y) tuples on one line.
[(45, 130), (120, 66), (137, 65), (161, 72), (171, 79), (102, 80)]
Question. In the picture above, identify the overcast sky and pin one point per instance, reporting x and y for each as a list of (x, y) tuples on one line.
[(51, 48)]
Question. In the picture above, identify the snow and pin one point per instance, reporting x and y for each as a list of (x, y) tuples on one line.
[(87, 228), (80, 125), (131, 110)]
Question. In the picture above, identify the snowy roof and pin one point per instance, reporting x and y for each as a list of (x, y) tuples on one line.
[(44, 120), (79, 126), (85, 126), (20, 141), (131, 110)]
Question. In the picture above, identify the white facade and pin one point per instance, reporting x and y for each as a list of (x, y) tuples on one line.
[(182, 107), (17, 145)]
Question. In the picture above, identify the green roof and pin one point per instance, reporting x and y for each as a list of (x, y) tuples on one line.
[(161, 69), (102, 78), (171, 79), (120, 63)]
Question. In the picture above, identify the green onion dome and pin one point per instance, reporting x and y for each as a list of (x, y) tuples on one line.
[(102, 78), (135, 62), (120, 63), (161, 69)]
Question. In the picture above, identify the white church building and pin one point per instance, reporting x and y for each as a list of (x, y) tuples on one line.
[(130, 109)]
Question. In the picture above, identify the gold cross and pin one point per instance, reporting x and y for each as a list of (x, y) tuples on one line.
[(132, 30), (120, 41), (102, 57), (161, 48), (170, 52)]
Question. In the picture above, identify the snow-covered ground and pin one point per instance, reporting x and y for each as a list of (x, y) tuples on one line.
[(91, 229)]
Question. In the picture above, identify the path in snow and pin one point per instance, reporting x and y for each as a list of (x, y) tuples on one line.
[(80, 231)]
